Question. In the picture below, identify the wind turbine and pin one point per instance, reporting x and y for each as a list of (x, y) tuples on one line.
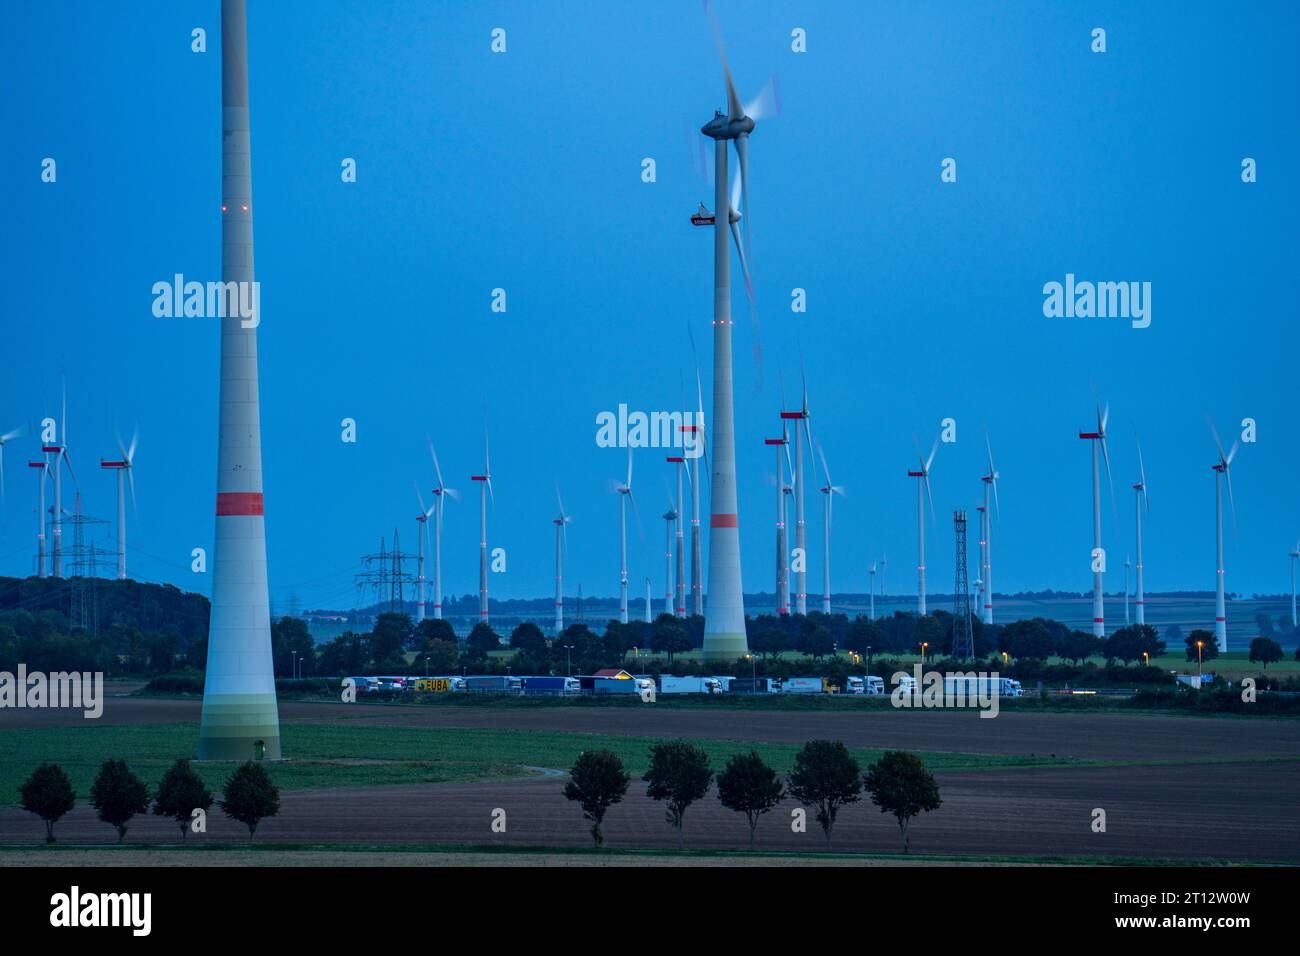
[(440, 493), (724, 629), (1221, 470), (873, 590), (830, 491), (624, 490), (422, 529), (782, 448), (670, 517), (979, 580), (1098, 439), (1140, 494), (699, 449), (59, 449), (680, 462), (485, 490), (990, 481), (1127, 564), (41, 476), (649, 613), (802, 433), (922, 493), (560, 521), (240, 719), (7, 437), (125, 468)]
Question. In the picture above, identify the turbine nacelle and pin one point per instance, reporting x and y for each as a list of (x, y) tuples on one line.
[(723, 126)]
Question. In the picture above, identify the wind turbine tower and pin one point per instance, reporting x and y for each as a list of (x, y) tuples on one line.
[(41, 475), (624, 490), (422, 532), (1140, 493), (782, 598), (1098, 439), (724, 628), (1221, 471), (922, 493), (830, 491), (125, 471), (680, 462), (1295, 555), (440, 495), (240, 719), (560, 521), (986, 576), (485, 490)]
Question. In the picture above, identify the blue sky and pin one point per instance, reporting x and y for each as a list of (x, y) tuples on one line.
[(523, 171)]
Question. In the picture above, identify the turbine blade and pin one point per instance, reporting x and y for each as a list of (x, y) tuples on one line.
[(437, 469), (1233, 454), (767, 103), (135, 443), (742, 151), (929, 494), (1142, 477), (930, 460), (130, 480), (734, 108)]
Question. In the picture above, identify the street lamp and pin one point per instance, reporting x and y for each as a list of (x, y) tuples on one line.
[(426, 667), (868, 658), (568, 665), (1199, 645), (1146, 659), (295, 664), (753, 674), (924, 645)]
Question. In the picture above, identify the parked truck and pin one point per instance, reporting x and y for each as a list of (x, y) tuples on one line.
[(618, 685), (868, 685), (803, 685), (747, 685), (489, 684), (689, 685), (439, 685), (550, 685)]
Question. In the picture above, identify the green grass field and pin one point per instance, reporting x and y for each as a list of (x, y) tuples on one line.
[(328, 755)]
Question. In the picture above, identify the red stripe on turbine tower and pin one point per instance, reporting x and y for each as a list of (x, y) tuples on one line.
[(724, 521), (239, 503)]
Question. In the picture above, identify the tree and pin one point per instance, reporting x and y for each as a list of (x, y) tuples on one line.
[(442, 656), (528, 637), (391, 634), (482, 638), (749, 786), (766, 637), (928, 631), (1030, 640), (1265, 650), (434, 629), (249, 796), (864, 633), (48, 794), (825, 777), (670, 637), (180, 792), (290, 636), (816, 639), (597, 781), (118, 795), (1209, 646), (680, 774), (899, 784), (1264, 623)]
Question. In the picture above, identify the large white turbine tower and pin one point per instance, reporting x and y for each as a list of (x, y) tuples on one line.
[(922, 493), (782, 449), (484, 492), (830, 491), (697, 446), (1141, 499), (670, 517), (125, 468), (1098, 439), (624, 490), (990, 481), (1221, 471), (240, 719), (440, 493), (561, 532), (724, 628)]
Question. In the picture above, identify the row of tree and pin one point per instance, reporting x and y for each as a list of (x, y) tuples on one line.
[(117, 795), (825, 777)]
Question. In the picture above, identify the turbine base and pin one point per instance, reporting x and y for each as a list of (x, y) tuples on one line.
[(725, 647)]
